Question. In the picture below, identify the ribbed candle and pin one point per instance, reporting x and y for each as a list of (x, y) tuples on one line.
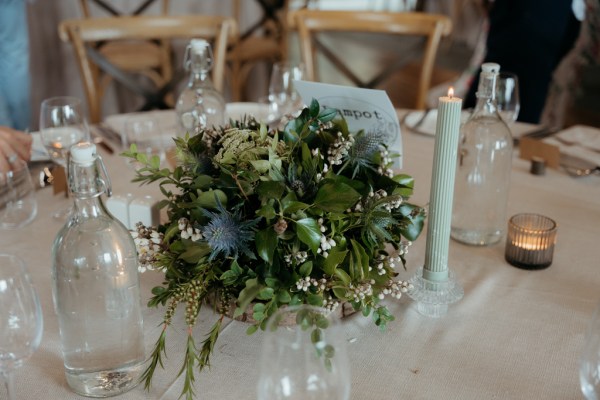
[(442, 188)]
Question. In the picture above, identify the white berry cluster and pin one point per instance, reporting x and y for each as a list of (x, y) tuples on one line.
[(403, 248), (187, 230), (330, 304), (298, 257), (147, 241), (361, 291), (385, 161), (304, 284), (326, 243), (339, 149), (384, 262), (395, 289)]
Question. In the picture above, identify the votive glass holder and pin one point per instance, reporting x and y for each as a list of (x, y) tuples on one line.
[(530, 241)]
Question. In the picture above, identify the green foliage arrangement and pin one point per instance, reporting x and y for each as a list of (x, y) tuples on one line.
[(309, 214)]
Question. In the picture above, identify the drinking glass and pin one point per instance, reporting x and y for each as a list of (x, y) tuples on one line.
[(507, 97), (283, 98), (147, 135), (18, 205), (589, 362), (62, 125), (304, 356), (20, 318)]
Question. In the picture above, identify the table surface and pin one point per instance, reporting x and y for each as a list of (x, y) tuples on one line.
[(516, 334)]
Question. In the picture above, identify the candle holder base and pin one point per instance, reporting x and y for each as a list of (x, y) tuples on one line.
[(434, 297)]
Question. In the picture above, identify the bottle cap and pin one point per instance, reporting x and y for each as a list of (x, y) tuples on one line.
[(83, 153), (198, 45), (490, 68)]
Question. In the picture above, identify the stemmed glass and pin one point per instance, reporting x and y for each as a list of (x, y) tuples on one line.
[(62, 125), (20, 318), (283, 98), (304, 357), (589, 363), (148, 136), (507, 97)]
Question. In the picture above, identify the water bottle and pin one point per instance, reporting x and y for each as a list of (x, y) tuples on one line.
[(483, 169), (200, 105), (96, 288)]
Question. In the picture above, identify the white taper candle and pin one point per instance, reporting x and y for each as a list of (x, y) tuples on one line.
[(442, 188)]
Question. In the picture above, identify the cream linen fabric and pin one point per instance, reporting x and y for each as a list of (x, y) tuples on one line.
[(515, 335)]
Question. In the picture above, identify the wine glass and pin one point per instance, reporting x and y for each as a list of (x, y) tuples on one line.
[(18, 205), (507, 97), (283, 98), (62, 125), (589, 362), (147, 135), (304, 356), (20, 318)]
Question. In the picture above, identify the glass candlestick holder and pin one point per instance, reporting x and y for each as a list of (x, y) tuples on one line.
[(530, 241)]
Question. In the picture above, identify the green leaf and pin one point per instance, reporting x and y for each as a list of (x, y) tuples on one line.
[(195, 252), (306, 268), (414, 221), (361, 261), (283, 296), (208, 199), (266, 243), (333, 260), (336, 197), (343, 275), (261, 166), (251, 329), (270, 189), (327, 114), (309, 233), (266, 294), (315, 300), (314, 108), (293, 206), (267, 212), (246, 296)]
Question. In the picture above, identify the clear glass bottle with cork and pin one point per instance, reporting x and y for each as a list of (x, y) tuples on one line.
[(200, 105), (96, 287), (483, 170)]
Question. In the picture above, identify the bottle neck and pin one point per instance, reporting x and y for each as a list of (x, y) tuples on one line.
[(486, 93), (199, 78), (86, 187)]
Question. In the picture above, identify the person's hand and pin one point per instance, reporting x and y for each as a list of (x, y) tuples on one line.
[(13, 145)]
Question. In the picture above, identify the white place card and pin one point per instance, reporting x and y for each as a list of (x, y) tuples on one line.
[(367, 109)]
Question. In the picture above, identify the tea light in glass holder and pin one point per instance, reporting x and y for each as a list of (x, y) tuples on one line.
[(530, 241)]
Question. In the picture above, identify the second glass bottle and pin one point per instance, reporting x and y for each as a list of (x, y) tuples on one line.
[(483, 169)]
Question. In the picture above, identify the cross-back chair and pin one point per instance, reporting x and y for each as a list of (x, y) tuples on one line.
[(85, 33), (310, 23), (151, 58), (263, 41)]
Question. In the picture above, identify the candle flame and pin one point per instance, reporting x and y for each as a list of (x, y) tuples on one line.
[(451, 92)]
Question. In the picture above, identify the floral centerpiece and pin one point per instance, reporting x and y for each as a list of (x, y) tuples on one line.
[(265, 219)]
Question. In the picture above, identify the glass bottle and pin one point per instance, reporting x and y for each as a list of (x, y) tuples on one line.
[(96, 287), (483, 169), (200, 105)]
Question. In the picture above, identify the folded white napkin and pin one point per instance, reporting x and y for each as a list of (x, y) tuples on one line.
[(579, 141)]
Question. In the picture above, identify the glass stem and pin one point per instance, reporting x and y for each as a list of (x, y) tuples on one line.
[(8, 382)]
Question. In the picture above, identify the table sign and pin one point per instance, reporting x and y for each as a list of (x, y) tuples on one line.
[(434, 286), (530, 241), (367, 109)]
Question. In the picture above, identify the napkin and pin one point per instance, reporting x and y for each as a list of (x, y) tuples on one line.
[(579, 141)]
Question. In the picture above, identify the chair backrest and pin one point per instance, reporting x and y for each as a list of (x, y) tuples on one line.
[(220, 31), (432, 27)]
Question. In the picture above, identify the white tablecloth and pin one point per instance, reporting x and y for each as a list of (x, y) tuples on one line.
[(516, 334)]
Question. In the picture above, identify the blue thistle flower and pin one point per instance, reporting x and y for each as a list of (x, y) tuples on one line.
[(227, 234)]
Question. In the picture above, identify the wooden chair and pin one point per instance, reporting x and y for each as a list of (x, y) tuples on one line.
[(150, 58), (85, 33), (264, 41), (431, 27)]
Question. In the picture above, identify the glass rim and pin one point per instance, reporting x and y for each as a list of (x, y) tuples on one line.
[(514, 224), (61, 101)]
